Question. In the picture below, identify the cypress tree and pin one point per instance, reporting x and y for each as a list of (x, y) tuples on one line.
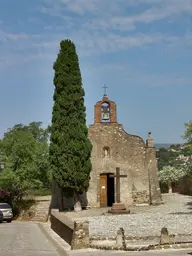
[(70, 147)]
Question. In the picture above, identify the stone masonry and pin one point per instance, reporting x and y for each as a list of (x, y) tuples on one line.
[(114, 147)]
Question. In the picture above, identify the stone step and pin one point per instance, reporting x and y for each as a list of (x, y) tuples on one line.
[(42, 207), (42, 210), (39, 219), (41, 213)]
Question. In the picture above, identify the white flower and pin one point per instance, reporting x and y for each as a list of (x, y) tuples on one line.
[(171, 174)]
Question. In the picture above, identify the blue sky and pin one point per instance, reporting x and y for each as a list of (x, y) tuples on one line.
[(141, 49)]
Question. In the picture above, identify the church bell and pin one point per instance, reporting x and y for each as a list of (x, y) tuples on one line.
[(106, 116)]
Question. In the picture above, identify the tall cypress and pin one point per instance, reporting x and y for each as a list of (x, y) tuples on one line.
[(70, 147)]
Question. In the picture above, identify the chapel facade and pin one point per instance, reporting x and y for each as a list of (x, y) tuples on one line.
[(114, 148)]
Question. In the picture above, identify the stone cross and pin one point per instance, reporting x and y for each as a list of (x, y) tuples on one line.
[(118, 176)]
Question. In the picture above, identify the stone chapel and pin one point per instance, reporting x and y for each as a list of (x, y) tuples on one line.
[(113, 147)]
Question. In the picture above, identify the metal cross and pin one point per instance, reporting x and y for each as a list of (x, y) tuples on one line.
[(105, 89)]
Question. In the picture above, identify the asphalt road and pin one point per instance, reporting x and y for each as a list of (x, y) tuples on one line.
[(26, 239)]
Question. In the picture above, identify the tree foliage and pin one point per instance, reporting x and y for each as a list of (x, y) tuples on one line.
[(188, 132), (187, 150), (176, 162), (24, 153), (166, 157), (70, 148)]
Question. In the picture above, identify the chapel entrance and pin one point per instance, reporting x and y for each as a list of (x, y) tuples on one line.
[(107, 190)]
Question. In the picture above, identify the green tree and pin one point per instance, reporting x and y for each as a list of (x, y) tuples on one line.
[(34, 128), (187, 150), (24, 151), (188, 132), (70, 148), (40, 134), (166, 157)]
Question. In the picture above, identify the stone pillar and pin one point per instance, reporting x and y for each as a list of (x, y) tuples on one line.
[(80, 239), (150, 142), (164, 236), (152, 168), (120, 238)]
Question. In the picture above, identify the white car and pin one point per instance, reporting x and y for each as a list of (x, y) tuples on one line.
[(7, 212)]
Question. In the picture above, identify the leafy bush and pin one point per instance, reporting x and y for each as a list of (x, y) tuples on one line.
[(40, 192), (21, 205)]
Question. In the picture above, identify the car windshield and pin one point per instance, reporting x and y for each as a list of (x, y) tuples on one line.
[(5, 206)]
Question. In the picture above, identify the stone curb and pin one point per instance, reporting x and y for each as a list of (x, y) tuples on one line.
[(143, 238), (61, 246), (143, 248), (103, 238)]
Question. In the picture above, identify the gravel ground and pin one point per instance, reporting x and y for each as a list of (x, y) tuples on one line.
[(175, 214)]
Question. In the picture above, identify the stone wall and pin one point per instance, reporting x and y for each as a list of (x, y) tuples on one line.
[(136, 159), (125, 151), (75, 233)]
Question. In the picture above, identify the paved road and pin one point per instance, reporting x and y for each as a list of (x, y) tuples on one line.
[(26, 239)]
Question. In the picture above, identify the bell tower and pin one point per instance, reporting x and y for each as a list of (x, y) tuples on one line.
[(105, 110)]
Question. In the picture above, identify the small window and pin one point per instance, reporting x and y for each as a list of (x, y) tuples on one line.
[(106, 152)]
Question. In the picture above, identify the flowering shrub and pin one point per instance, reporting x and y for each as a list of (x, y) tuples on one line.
[(171, 174)]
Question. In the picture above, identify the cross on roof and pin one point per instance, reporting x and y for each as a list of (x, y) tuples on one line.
[(105, 89)]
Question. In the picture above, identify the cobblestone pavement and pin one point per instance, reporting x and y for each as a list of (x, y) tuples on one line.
[(175, 214), (27, 239)]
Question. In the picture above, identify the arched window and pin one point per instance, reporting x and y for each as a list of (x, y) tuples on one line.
[(105, 112), (106, 152)]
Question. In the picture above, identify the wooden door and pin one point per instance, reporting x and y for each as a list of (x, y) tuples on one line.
[(103, 190)]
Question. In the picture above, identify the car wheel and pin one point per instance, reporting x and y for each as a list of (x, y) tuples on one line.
[(9, 221)]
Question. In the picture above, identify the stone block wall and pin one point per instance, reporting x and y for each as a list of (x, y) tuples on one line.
[(75, 233), (140, 197)]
